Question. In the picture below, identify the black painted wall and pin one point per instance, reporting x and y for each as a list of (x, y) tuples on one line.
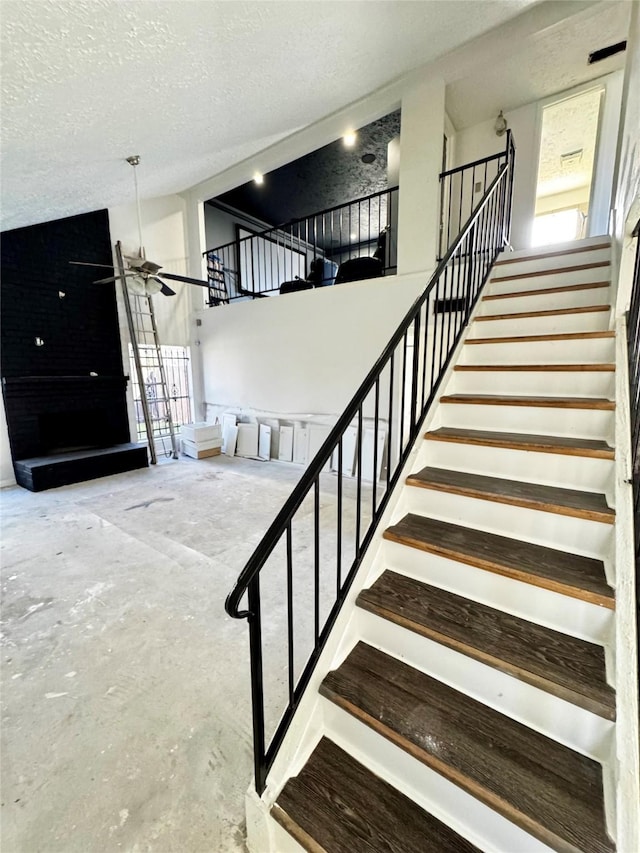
[(45, 297), (324, 178)]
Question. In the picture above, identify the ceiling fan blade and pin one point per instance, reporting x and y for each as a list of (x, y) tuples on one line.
[(111, 278), (86, 264), (165, 289), (184, 278)]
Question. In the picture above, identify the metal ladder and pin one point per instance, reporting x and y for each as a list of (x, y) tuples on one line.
[(150, 372)]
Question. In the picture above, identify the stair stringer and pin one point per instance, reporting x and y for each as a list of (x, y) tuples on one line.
[(627, 729)]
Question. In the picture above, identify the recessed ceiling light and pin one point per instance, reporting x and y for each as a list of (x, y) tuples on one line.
[(349, 139), (258, 178), (368, 158)]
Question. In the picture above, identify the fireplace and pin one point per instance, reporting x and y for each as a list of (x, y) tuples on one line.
[(63, 432), (64, 429), (62, 375)]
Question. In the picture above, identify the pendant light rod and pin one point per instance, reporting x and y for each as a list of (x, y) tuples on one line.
[(134, 160)]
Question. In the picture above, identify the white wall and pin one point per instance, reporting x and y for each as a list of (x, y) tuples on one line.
[(164, 235), (421, 140), (305, 352), (525, 122), (626, 208), (220, 225)]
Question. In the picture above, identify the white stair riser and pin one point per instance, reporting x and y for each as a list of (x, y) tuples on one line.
[(555, 324), (551, 716), (537, 383), (546, 301), (560, 532), (532, 420), (552, 262), (551, 469), (449, 803), (572, 351), (499, 284), (557, 611)]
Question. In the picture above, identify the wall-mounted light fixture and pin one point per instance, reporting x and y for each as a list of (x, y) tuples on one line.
[(500, 126), (258, 178), (349, 139)]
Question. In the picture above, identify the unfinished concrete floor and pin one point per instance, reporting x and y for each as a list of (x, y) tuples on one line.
[(126, 721)]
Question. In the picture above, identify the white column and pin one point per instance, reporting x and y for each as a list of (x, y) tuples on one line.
[(196, 245), (421, 140)]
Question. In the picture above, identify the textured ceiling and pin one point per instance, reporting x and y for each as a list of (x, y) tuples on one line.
[(550, 61), (193, 86), (569, 127), (327, 177)]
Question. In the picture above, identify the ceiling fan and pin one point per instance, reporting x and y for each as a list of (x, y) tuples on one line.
[(143, 277)]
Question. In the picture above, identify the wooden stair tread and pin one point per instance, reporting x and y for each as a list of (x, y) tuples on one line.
[(589, 505), (558, 312), (523, 339), (568, 288), (606, 367), (548, 789), (544, 402), (593, 248), (569, 574), (521, 441), (564, 666), (555, 271), (344, 808)]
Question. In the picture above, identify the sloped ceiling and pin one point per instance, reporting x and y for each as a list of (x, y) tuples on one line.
[(193, 86), (330, 176), (552, 60)]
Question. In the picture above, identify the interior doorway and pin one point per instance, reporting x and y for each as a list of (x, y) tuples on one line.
[(568, 146)]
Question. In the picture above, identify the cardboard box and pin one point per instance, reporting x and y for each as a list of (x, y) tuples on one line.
[(189, 449), (201, 432)]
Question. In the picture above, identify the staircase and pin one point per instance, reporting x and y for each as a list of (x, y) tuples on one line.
[(471, 703)]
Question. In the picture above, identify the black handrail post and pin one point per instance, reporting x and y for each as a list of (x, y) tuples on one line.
[(470, 262), (257, 688), (414, 377)]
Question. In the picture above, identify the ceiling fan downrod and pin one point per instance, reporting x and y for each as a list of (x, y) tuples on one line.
[(134, 160)]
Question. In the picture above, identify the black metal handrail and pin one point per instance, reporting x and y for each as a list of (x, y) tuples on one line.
[(633, 345), (259, 263), (461, 190), (394, 398)]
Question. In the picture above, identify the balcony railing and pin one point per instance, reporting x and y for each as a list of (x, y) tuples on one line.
[(311, 250), (306, 577), (461, 191)]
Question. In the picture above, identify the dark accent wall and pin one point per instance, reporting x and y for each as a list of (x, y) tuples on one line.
[(53, 401), (324, 178)]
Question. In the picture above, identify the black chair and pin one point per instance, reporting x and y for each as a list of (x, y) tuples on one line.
[(295, 285), (359, 268)]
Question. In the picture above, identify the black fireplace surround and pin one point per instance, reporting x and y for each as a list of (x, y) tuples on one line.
[(63, 385)]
